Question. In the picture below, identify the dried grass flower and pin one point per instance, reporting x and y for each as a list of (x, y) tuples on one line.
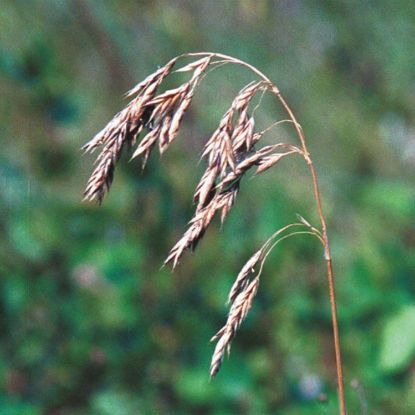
[(153, 119)]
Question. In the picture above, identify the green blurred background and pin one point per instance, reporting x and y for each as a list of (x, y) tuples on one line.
[(90, 324)]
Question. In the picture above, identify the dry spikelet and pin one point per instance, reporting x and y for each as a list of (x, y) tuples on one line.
[(240, 298), (161, 115), (226, 200), (247, 160), (223, 160), (168, 109), (197, 228), (206, 187), (123, 128), (200, 63), (267, 162), (154, 78), (220, 147), (239, 309), (103, 174), (230, 155), (144, 91), (200, 222), (243, 132), (244, 275)]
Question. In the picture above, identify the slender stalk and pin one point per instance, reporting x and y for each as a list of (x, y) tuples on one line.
[(327, 254), (317, 197)]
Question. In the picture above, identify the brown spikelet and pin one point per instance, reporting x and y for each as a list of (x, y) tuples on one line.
[(178, 115), (244, 275), (226, 199), (131, 115), (239, 310), (169, 107), (240, 298), (103, 174), (154, 78), (246, 160), (186, 97), (163, 138), (198, 225), (226, 141), (271, 160), (147, 145), (242, 138), (230, 155), (245, 95), (205, 189), (200, 63), (195, 231), (122, 129), (161, 115), (200, 68), (218, 149)]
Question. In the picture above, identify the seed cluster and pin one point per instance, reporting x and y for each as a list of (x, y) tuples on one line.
[(229, 153)]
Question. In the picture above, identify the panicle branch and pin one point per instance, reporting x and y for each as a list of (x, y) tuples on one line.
[(245, 287)]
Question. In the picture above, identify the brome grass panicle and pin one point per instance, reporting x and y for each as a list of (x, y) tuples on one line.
[(234, 148)]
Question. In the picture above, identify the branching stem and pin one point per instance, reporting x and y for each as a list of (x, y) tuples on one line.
[(316, 191), (160, 117)]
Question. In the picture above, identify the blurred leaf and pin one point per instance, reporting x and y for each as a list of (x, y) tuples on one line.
[(115, 403), (17, 407), (398, 341), (193, 386), (395, 199)]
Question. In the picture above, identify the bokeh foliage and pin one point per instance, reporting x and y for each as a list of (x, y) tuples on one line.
[(90, 324)]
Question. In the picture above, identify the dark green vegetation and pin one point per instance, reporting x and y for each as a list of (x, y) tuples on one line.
[(91, 325)]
